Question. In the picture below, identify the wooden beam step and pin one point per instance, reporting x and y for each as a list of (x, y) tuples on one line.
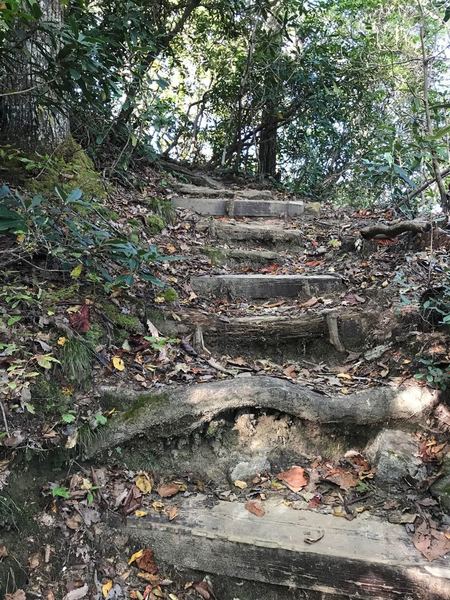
[(254, 286), (239, 207), (364, 558)]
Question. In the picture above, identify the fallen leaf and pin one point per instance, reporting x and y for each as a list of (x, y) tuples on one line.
[(77, 593), (106, 587), (3, 551), (61, 341), (135, 556), (118, 363), (255, 507), (167, 490), (202, 588), (144, 483), (18, 595), (146, 561), (80, 320), (140, 513), (171, 512), (240, 484), (294, 478), (341, 477), (433, 544)]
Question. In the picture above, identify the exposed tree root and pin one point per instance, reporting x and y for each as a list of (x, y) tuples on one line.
[(181, 409), (391, 231)]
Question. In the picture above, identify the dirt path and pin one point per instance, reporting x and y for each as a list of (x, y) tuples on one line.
[(282, 445)]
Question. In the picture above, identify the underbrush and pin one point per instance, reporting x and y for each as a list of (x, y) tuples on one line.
[(70, 267)]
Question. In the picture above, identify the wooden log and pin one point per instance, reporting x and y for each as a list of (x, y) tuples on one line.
[(254, 286), (239, 207), (179, 409), (296, 549)]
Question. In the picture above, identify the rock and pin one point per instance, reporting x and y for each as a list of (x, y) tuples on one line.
[(312, 208), (394, 454), (247, 469), (441, 488)]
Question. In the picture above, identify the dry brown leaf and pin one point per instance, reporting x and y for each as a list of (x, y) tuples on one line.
[(167, 490), (255, 507), (295, 478), (18, 595), (171, 512), (3, 551), (146, 561), (344, 479), (433, 544)]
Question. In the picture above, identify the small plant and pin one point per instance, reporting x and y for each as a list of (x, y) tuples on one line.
[(60, 492), (74, 233), (436, 375)]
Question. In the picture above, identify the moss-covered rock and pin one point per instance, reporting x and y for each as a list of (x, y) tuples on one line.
[(155, 224), (69, 168), (120, 320)]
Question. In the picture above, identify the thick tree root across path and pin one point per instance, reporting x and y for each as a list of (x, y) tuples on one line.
[(185, 408)]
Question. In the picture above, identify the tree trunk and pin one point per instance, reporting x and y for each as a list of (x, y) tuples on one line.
[(26, 121), (268, 143)]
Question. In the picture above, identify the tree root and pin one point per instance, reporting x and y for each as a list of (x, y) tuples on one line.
[(391, 231), (180, 409)]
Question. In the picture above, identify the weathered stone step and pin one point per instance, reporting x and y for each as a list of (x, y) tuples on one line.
[(250, 233), (223, 256), (219, 192), (296, 549), (254, 286), (239, 207)]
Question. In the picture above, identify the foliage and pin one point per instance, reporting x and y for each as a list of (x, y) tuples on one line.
[(74, 236)]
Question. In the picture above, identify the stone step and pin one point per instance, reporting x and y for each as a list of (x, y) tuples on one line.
[(260, 233), (197, 191), (254, 286), (223, 256), (239, 207), (365, 558)]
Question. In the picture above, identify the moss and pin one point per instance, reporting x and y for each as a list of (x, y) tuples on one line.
[(215, 255), (62, 294), (129, 323), (169, 295), (69, 168), (163, 208), (155, 224), (143, 402)]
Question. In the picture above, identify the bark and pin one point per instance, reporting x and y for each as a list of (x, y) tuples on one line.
[(179, 409), (426, 61), (25, 120), (268, 143), (391, 231)]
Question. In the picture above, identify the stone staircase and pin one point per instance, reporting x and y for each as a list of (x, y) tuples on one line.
[(287, 554)]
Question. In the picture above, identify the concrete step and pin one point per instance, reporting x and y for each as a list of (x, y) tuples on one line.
[(254, 286), (260, 233), (239, 207), (366, 558), (224, 256)]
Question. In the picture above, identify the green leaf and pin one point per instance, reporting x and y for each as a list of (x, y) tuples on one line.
[(68, 418), (60, 492)]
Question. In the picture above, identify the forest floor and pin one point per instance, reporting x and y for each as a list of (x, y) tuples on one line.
[(372, 331)]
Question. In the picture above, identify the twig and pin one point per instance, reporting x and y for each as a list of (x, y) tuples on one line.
[(4, 418)]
